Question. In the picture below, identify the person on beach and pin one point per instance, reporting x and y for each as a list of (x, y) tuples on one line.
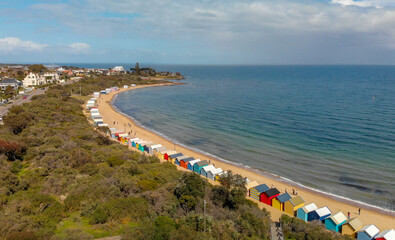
[(286, 190), (348, 215), (293, 191), (296, 192), (359, 211)]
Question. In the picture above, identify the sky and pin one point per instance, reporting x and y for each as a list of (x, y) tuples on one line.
[(198, 32)]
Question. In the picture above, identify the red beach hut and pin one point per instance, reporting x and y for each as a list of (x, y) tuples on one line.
[(266, 197)]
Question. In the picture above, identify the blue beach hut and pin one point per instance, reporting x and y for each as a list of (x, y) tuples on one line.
[(368, 232), (172, 158), (178, 160), (303, 212), (335, 221), (320, 214), (256, 191), (192, 163)]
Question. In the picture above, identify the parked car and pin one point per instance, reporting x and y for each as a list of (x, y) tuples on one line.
[(24, 97)]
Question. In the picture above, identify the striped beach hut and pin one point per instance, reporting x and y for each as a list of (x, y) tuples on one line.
[(303, 212), (351, 227), (178, 160), (206, 169), (319, 214), (197, 167), (213, 173), (172, 158), (256, 191), (386, 235), (279, 201), (293, 205), (192, 163), (184, 162), (267, 197), (368, 232), (335, 221), (167, 154), (250, 185), (153, 147)]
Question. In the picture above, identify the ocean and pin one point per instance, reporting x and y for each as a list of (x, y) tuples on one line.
[(329, 128)]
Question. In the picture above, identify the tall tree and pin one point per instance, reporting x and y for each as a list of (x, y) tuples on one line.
[(37, 68), (137, 69)]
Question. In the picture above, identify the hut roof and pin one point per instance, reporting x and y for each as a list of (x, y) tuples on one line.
[(338, 218), (323, 211), (134, 139), (156, 146), (262, 188), (202, 163), (284, 197), (176, 155), (181, 157), (216, 171), (310, 207), (169, 152), (387, 234), (355, 223), (194, 161), (209, 168), (160, 149), (371, 230), (272, 192), (296, 201), (188, 159)]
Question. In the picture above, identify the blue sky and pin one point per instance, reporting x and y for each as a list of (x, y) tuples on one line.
[(198, 32)]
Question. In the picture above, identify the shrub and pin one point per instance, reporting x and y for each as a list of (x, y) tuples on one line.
[(24, 235), (190, 184), (100, 215), (12, 150), (163, 226)]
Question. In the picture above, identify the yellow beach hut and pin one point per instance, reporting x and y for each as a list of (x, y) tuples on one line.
[(161, 155), (293, 205), (279, 201), (351, 227)]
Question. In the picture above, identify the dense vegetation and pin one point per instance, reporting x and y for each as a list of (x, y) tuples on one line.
[(61, 179)]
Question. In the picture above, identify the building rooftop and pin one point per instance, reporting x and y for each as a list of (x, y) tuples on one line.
[(272, 192)]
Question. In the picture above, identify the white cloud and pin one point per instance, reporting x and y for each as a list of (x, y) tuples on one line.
[(79, 47), (10, 44), (364, 3)]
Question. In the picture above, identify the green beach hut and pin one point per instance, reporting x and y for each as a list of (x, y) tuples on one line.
[(199, 165)]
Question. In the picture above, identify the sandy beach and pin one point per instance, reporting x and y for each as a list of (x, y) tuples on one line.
[(382, 219)]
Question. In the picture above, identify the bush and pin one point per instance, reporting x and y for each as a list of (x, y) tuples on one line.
[(163, 226), (190, 184), (100, 215), (24, 235), (12, 150)]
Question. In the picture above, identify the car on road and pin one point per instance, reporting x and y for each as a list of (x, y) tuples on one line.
[(24, 97)]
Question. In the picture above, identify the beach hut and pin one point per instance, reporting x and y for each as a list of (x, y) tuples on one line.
[(279, 201), (206, 169), (153, 147), (250, 185), (213, 173), (178, 160), (335, 221), (197, 167), (386, 235), (351, 227), (293, 205), (146, 146), (132, 142), (319, 214), (102, 125), (164, 153), (192, 163), (184, 162), (98, 121), (303, 212), (158, 150), (267, 197), (172, 157), (167, 154), (256, 191), (368, 232), (96, 94)]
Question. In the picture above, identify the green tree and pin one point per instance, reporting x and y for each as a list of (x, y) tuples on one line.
[(163, 226), (37, 68), (137, 69), (190, 184)]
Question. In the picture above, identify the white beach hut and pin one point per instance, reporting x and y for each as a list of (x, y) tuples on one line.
[(206, 169), (214, 172)]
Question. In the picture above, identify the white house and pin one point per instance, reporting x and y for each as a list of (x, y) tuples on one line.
[(15, 84), (118, 69), (35, 79)]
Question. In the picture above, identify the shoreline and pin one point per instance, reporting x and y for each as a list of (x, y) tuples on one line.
[(370, 214)]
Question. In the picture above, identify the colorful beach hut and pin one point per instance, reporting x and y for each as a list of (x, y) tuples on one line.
[(335, 221), (153, 147), (197, 167), (303, 212), (146, 146), (184, 162), (351, 227), (293, 205), (158, 150), (319, 214), (167, 154), (172, 158), (368, 232), (178, 160), (267, 197), (279, 201), (192, 163), (218, 177), (256, 191), (213, 173), (206, 169), (250, 185), (132, 142), (386, 235)]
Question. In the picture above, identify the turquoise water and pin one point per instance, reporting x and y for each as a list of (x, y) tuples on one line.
[(330, 128)]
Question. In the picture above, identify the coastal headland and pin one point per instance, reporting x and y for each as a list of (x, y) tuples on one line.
[(369, 215)]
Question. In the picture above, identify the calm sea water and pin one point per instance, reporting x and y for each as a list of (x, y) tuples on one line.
[(330, 128)]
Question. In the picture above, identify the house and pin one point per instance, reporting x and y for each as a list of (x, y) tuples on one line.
[(172, 158), (33, 79), (197, 167), (386, 235), (335, 221), (266, 197), (192, 163), (303, 212), (351, 227), (279, 201), (119, 69), (214, 172), (368, 232), (178, 160), (206, 169), (256, 191), (184, 162), (10, 82), (293, 205), (319, 214)]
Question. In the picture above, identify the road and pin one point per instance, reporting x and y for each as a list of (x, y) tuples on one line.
[(4, 108)]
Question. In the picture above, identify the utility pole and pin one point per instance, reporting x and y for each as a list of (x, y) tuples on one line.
[(80, 90), (204, 210)]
